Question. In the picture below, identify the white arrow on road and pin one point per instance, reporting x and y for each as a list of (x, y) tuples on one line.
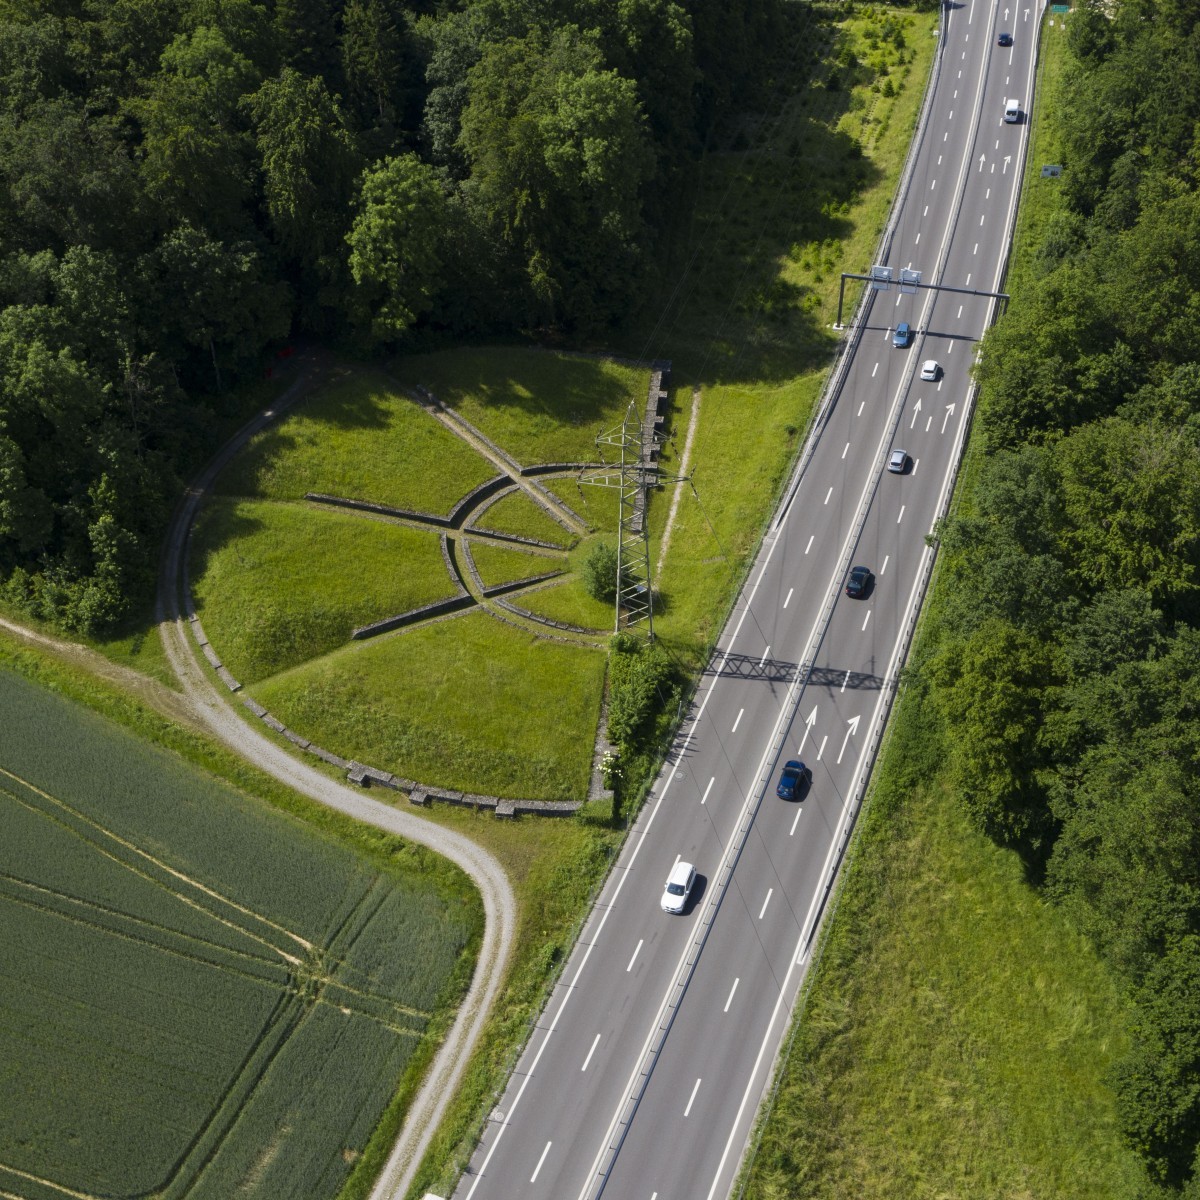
[(1007, 160), (946, 418), (853, 729), (808, 724), (982, 160), (916, 409), (1006, 15)]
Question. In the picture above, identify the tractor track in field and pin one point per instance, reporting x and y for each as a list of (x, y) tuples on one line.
[(211, 707)]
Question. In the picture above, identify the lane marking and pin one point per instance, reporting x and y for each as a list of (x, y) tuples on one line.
[(845, 681), (764, 657), (806, 550), (707, 790), (789, 596), (845, 450), (795, 822), (738, 721), (637, 950), (822, 749), (692, 1098), (916, 464), (981, 217), (976, 250), (926, 212), (865, 620), (886, 559), (730, 1000), (900, 515), (929, 422), (960, 308), (876, 368), (860, 408), (828, 494), (593, 1049), (770, 893), (533, 1177), (917, 241)]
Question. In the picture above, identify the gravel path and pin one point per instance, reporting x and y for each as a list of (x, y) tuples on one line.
[(212, 707)]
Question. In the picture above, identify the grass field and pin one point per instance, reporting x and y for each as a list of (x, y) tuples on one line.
[(500, 564), (412, 704), (958, 1031), (328, 571), (202, 995), (539, 407), (359, 437), (517, 514)]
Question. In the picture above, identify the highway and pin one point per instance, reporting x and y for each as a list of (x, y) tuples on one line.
[(643, 1076)]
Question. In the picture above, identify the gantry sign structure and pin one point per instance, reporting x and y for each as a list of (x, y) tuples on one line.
[(881, 279)]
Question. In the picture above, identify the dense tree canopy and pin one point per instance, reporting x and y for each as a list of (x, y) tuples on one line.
[(183, 182), (1069, 669)]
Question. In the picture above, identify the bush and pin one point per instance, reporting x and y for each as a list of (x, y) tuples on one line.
[(600, 573)]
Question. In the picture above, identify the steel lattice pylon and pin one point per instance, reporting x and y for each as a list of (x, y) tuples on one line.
[(633, 477)]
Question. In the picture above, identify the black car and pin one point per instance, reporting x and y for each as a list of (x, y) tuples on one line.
[(794, 778), (858, 583), (1005, 39)]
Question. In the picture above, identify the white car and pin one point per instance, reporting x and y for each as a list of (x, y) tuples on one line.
[(898, 463), (679, 887), (931, 369)]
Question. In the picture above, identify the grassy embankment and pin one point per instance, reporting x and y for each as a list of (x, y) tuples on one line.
[(957, 1031), (215, 986)]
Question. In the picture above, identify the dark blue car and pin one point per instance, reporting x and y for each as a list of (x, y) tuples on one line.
[(793, 780)]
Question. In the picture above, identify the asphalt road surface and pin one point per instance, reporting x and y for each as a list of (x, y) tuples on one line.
[(648, 1065)]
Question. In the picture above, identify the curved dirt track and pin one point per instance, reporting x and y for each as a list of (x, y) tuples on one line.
[(212, 707)]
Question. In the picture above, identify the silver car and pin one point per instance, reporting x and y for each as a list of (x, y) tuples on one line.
[(898, 463), (931, 369)]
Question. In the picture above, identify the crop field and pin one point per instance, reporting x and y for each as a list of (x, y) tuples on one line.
[(202, 996)]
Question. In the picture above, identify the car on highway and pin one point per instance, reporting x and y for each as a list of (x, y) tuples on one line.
[(898, 462), (902, 336), (793, 780), (931, 369), (859, 582), (1005, 39), (679, 887)]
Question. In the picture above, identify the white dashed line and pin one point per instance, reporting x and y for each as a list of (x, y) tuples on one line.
[(770, 893), (730, 1000), (886, 559), (845, 681), (866, 620), (590, 1053), (828, 494), (812, 538), (860, 408), (821, 749), (638, 948), (738, 721), (796, 822), (764, 657), (899, 518), (844, 451), (692, 1098), (705, 796), (533, 1177), (874, 370), (789, 596)]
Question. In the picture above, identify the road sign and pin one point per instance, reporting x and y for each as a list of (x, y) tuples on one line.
[(881, 278)]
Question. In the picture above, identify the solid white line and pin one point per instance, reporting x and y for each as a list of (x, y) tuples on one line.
[(795, 822), (708, 789), (886, 559), (738, 721), (900, 515), (822, 749), (828, 494), (636, 951), (730, 1000), (593, 1049), (866, 619), (806, 550), (767, 901), (692, 1098), (789, 596), (533, 1177)]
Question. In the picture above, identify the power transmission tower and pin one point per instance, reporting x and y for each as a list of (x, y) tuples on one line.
[(633, 476)]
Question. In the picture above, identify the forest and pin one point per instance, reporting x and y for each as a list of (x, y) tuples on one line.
[(1067, 670), (185, 183)]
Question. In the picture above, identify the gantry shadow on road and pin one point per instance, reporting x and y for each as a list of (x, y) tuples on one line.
[(777, 670)]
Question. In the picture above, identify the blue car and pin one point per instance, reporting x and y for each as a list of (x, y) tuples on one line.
[(1005, 39), (902, 336), (794, 779)]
